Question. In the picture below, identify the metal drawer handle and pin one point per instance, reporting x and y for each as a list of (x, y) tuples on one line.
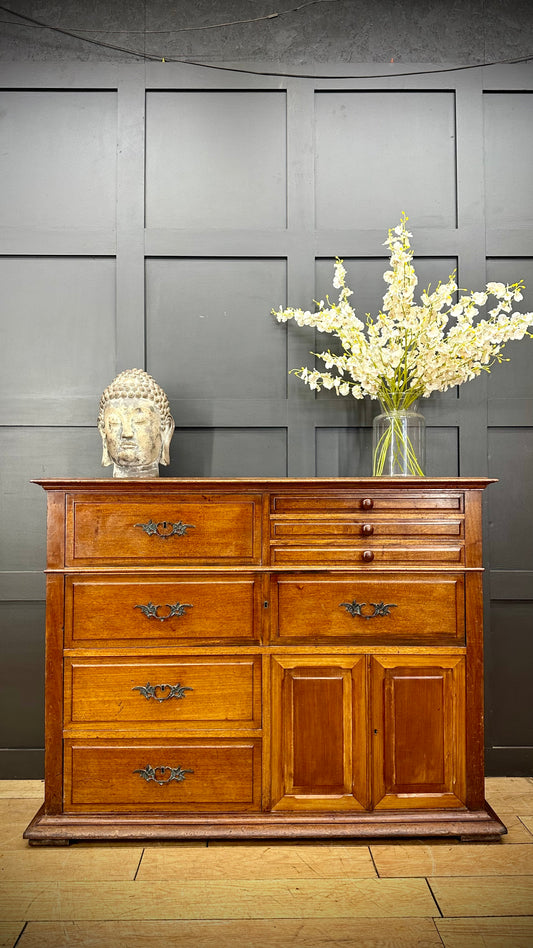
[(150, 691), (150, 610), (380, 609), (151, 773), (165, 528)]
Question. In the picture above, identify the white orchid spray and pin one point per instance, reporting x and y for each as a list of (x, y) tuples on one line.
[(410, 350)]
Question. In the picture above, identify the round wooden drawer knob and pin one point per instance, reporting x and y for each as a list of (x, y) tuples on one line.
[(367, 529), (368, 556), (367, 503)]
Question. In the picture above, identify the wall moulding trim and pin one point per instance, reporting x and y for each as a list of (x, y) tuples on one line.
[(156, 76), (22, 586), (69, 242), (511, 584), (510, 412)]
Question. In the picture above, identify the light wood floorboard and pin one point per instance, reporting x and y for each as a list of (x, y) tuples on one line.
[(258, 861), (484, 895), (9, 932), (249, 933), (486, 932), (455, 859), (299, 898), (90, 863), (409, 894), (22, 790)]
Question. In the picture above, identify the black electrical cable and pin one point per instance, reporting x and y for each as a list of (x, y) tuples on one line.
[(259, 72)]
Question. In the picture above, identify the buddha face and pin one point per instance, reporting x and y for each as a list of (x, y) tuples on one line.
[(132, 431)]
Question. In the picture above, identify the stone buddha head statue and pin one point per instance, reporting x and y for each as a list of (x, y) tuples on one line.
[(135, 424)]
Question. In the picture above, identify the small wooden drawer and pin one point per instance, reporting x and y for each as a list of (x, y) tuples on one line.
[(396, 607), (110, 610), (366, 502), (351, 528), (370, 553), (129, 530), (167, 775), (157, 694)]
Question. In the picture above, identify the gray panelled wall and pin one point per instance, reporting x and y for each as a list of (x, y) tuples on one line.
[(153, 214)]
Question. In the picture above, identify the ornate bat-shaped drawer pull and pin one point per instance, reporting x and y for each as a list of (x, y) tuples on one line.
[(157, 774), (151, 611), (380, 609), (150, 691), (165, 529)]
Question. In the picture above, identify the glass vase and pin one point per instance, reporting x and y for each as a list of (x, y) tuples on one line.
[(399, 443)]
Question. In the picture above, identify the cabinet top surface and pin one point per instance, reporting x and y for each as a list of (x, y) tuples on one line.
[(162, 484)]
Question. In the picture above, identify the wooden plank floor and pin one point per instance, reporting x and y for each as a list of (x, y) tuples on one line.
[(415, 894)]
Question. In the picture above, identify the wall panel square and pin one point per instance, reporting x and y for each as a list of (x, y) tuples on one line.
[(22, 674), (514, 378), (442, 450), (510, 673), (364, 276), (209, 330), (343, 452), (216, 159), (228, 452), (381, 153), (508, 130), (58, 318), (510, 501), (347, 452), (27, 453), (58, 159)]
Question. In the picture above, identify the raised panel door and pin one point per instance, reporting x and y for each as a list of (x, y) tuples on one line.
[(319, 733), (418, 731)]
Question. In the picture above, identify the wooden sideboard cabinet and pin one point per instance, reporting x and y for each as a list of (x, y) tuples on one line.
[(264, 658)]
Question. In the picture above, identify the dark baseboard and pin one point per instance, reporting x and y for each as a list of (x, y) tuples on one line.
[(509, 761), (21, 763)]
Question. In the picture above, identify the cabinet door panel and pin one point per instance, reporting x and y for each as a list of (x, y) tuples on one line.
[(319, 733), (418, 730)]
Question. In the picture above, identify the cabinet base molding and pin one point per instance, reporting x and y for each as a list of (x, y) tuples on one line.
[(61, 829)]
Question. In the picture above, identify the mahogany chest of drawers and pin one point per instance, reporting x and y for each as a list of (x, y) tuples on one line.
[(264, 658)]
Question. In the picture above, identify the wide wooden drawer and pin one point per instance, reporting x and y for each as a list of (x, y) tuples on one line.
[(167, 775), (368, 502), (392, 608), (157, 693), (128, 530), (161, 610)]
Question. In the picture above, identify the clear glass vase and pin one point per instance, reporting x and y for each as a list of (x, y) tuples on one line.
[(399, 443)]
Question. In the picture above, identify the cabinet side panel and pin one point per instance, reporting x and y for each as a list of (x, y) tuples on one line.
[(53, 757)]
